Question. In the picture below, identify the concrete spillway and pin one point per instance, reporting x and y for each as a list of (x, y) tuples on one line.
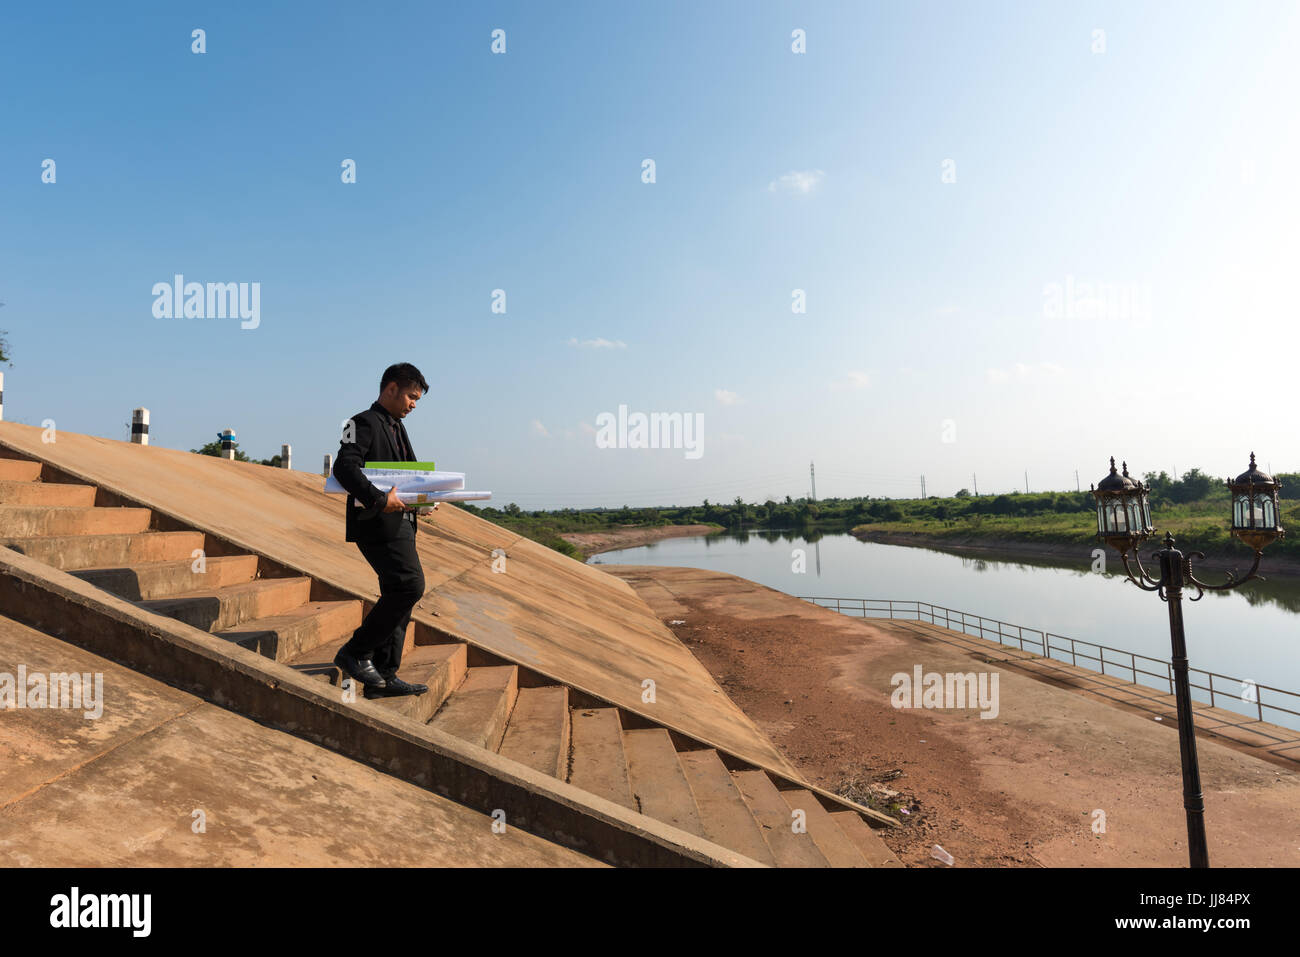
[(540, 668)]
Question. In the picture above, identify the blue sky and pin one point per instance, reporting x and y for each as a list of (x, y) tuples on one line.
[(1164, 167)]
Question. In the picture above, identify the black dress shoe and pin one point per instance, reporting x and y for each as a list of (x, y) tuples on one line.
[(395, 686), (362, 669)]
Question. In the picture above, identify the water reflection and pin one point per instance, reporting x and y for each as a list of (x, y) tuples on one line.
[(1283, 593)]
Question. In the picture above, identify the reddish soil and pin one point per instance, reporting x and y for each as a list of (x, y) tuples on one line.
[(1020, 789)]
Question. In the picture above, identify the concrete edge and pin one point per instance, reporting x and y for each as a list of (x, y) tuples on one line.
[(274, 694)]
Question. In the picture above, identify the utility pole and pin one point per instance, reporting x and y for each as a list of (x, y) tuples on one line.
[(976, 483), (923, 487), (1076, 481), (1026, 481), (812, 474)]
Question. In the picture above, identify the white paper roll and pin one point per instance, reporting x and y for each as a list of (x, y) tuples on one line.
[(454, 495), (428, 498), (404, 480)]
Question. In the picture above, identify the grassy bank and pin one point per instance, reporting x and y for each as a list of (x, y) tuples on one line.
[(548, 528), (1194, 508), (1069, 519)]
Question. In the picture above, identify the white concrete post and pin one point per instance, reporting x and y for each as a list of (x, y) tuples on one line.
[(286, 453), (140, 426), (228, 443), (329, 464)]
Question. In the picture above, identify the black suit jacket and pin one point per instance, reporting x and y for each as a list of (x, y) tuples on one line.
[(372, 431)]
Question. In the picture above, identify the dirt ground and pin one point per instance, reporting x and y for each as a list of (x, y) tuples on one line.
[(593, 543), (1029, 787)]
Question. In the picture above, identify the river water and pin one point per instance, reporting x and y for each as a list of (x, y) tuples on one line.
[(1252, 633)]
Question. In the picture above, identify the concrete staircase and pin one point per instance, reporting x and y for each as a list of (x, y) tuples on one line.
[(477, 696)]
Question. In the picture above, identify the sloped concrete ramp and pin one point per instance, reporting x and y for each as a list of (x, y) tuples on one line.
[(555, 692), (545, 611), (173, 780)]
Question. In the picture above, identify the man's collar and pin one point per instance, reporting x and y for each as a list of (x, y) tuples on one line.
[(378, 407)]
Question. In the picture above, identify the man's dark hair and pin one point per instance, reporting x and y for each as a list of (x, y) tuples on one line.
[(404, 374)]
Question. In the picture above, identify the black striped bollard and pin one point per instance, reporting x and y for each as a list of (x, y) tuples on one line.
[(140, 426)]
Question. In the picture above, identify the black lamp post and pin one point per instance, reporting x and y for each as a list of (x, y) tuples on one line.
[(1124, 521)]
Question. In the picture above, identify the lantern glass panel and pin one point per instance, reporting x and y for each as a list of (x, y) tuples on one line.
[(1115, 517), (1254, 510)]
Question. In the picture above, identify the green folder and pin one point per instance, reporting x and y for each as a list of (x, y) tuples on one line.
[(413, 466)]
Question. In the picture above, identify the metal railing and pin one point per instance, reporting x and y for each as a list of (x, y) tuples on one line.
[(1048, 643)]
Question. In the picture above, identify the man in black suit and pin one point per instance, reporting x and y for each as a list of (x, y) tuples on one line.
[(384, 529)]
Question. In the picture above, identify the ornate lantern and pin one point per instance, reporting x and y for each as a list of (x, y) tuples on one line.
[(1255, 518), (1123, 510)]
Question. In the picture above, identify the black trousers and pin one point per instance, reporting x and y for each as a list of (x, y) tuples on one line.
[(401, 586)]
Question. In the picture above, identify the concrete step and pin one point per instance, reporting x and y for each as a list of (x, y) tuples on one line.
[(297, 631), (318, 662), (19, 492), (826, 834), (597, 762), (441, 667), (866, 840), (774, 820), (538, 732), (29, 521), (152, 580), (726, 816), (479, 709), (69, 552), (659, 785), (223, 608), (19, 470)]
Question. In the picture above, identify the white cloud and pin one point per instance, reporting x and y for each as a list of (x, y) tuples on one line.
[(597, 343), (1027, 372), (797, 181), (725, 397), (540, 430), (853, 380)]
